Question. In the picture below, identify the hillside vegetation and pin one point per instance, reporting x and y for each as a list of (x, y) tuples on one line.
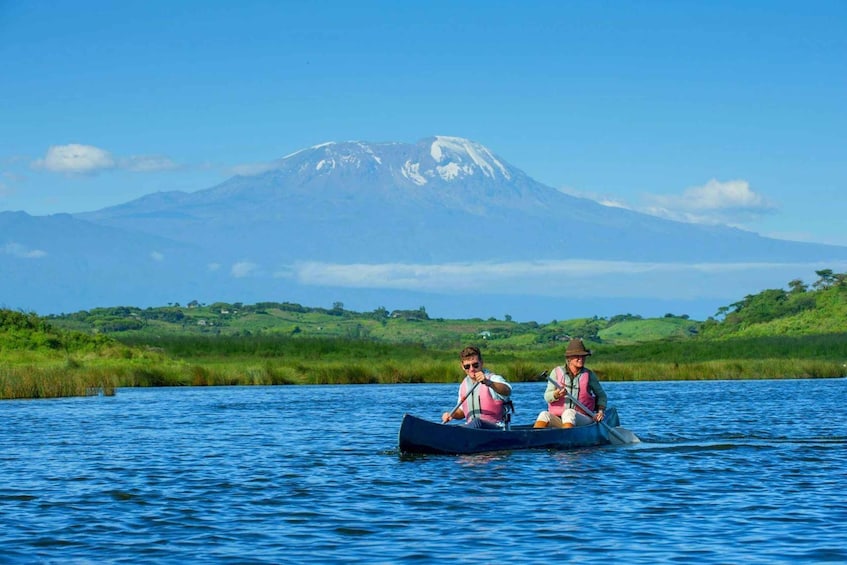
[(37, 360), (798, 332), (290, 320), (799, 310)]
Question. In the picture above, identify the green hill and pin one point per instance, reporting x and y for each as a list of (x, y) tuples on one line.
[(133, 324), (653, 329), (797, 311), (797, 333)]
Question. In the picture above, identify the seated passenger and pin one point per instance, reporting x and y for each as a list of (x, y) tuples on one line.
[(581, 383)]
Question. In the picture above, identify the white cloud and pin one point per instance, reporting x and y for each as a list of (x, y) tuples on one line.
[(732, 203), (18, 250), (156, 256), (79, 159), (243, 269), (571, 279), (76, 159), (147, 163), (716, 195), (213, 267), (716, 202)]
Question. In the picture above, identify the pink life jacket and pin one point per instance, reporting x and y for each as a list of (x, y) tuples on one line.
[(582, 392), (481, 404)]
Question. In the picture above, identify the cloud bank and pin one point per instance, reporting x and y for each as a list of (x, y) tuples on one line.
[(79, 159), (731, 203), (565, 279), (22, 251), (243, 269)]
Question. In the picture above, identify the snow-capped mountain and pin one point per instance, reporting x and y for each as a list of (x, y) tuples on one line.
[(281, 233), (441, 171), (366, 202)]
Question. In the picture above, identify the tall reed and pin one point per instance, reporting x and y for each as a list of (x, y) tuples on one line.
[(332, 364), (52, 382)]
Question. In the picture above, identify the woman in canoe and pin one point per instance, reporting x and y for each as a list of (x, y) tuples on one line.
[(483, 396), (581, 383)]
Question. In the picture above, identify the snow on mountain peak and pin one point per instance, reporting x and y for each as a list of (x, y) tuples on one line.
[(320, 145), (325, 157), (452, 158), (412, 171), (461, 155)]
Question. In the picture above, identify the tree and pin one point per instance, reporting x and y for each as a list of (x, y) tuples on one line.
[(797, 286), (380, 313), (826, 280)]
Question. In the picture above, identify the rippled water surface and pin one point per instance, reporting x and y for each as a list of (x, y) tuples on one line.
[(727, 472)]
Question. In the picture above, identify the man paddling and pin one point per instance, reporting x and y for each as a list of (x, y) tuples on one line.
[(484, 397), (578, 381)]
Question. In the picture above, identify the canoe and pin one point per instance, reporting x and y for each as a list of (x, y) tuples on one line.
[(423, 436)]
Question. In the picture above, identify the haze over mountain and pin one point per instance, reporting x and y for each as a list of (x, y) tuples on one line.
[(444, 223)]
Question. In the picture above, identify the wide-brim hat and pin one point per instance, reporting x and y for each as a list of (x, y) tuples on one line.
[(576, 349)]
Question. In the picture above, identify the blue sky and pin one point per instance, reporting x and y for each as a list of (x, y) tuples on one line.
[(707, 111), (730, 112)]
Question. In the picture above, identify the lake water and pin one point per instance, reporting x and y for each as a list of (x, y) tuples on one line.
[(727, 472)]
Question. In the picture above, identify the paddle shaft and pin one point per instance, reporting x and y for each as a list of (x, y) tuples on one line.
[(462, 401), (587, 410)]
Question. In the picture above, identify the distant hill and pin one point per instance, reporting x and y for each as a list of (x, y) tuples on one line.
[(286, 320), (801, 310)]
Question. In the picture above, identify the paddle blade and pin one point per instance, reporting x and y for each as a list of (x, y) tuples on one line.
[(621, 436)]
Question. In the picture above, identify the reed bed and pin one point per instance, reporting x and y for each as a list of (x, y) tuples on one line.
[(291, 362), (730, 369), (53, 382)]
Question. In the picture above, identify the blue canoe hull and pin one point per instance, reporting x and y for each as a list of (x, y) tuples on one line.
[(423, 436)]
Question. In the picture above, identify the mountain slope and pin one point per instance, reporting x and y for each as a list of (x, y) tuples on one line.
[(365, 202), (66, 264), (444, 222)]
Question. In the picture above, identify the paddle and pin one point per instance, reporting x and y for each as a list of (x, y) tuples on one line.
[(459, 405), (622, 435)]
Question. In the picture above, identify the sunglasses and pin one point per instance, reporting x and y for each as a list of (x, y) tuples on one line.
[(469, 365)]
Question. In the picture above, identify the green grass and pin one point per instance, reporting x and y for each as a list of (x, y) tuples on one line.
[(776, 334), (52, 381), (251, 361), (639, 331)]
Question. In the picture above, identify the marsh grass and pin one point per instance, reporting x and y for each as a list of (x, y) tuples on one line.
[(728, 369), (81, 379), (263, 361), (52, 382)]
